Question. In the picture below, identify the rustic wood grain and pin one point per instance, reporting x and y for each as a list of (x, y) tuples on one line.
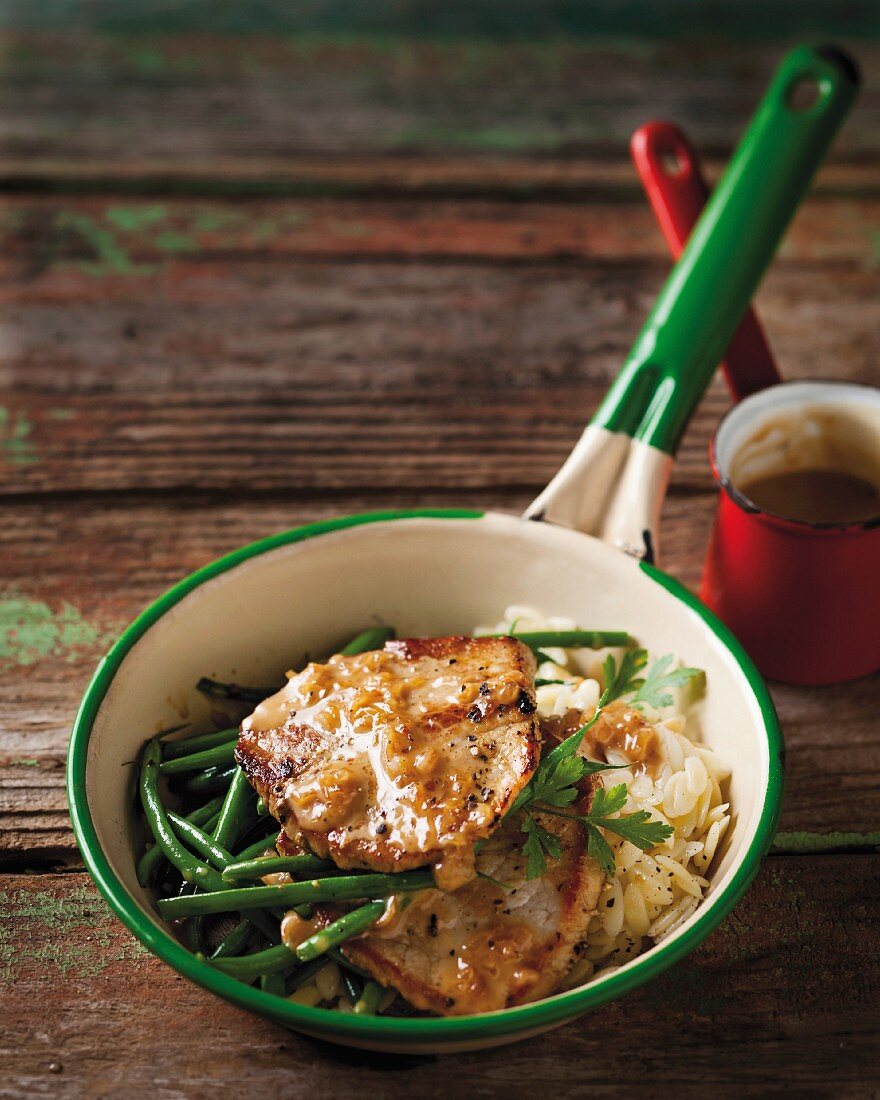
[(90, 95), (107, 236), (240, 374), (765, 1004), (376, 176)]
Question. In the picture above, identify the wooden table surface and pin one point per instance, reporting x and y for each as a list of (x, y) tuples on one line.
[(253, 279)]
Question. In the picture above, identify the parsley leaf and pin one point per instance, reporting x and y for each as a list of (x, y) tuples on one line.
[(624, 678), (600, 850), (540, 843), (608, 800), (654, 690), (555, 784), (638, 828)]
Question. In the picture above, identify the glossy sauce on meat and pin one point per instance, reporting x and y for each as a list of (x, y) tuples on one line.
[(488, 946), (400, 757), (620, 728)]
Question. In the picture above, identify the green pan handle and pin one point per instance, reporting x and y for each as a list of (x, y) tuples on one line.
[(710, 287)]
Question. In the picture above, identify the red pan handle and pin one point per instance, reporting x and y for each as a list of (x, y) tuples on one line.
[(669, 169)]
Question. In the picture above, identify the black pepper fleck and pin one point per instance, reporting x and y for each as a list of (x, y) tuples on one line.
[(525, 703)]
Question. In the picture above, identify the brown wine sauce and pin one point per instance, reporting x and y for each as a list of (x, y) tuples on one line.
[(815, 496)]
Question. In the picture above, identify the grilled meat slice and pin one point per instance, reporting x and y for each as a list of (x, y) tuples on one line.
[(486, 947), (401, 757)]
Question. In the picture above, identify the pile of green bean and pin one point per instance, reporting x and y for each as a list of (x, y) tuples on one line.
[(205, 862)]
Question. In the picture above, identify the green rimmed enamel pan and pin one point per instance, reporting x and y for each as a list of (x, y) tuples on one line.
[(259, 611)]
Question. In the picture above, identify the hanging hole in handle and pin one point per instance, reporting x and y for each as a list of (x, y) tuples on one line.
[(803, 93), (672, 162)]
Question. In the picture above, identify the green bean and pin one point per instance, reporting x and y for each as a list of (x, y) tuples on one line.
[(250, 967), (202, 844), (348, 925), (262, 808), (374, 638), (343, 888), (206, 847), (206, 782), (192, 870), (566, 639), (149, 862), (165, 824), (203, 815), (369, 1000), (235, 941), (184, 746), (273, 865), (273, 983), (347, 964), (258, 848), (217, 689), (193, 935), (217, 757), (232, 816), (268, 923), (301, 975)]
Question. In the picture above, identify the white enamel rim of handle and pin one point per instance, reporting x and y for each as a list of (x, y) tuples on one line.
[(611, 486)]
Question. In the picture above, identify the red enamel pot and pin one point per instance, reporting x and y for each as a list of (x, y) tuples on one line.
[(804, 598)]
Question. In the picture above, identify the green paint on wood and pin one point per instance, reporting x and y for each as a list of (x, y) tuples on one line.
[(130, 218), (109, 239), (175, 242), (31, 631), (802, 843), (495, 139), (16, 446), (25, 762), (58, 413), (147, 60), (41, 928), (109, 257), (209, 221)]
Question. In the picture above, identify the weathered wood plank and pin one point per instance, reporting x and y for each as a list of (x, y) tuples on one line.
[(255, 374), (768, 998), (529, 20), (118, 97), (509, 178), (102, 237)]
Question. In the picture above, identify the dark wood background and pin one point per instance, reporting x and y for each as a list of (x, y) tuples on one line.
[(262, 266)]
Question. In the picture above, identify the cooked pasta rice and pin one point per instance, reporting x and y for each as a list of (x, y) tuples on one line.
[(654, 892)]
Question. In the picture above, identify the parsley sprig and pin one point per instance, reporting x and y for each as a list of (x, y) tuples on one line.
[(554, 786), (654, 689)]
